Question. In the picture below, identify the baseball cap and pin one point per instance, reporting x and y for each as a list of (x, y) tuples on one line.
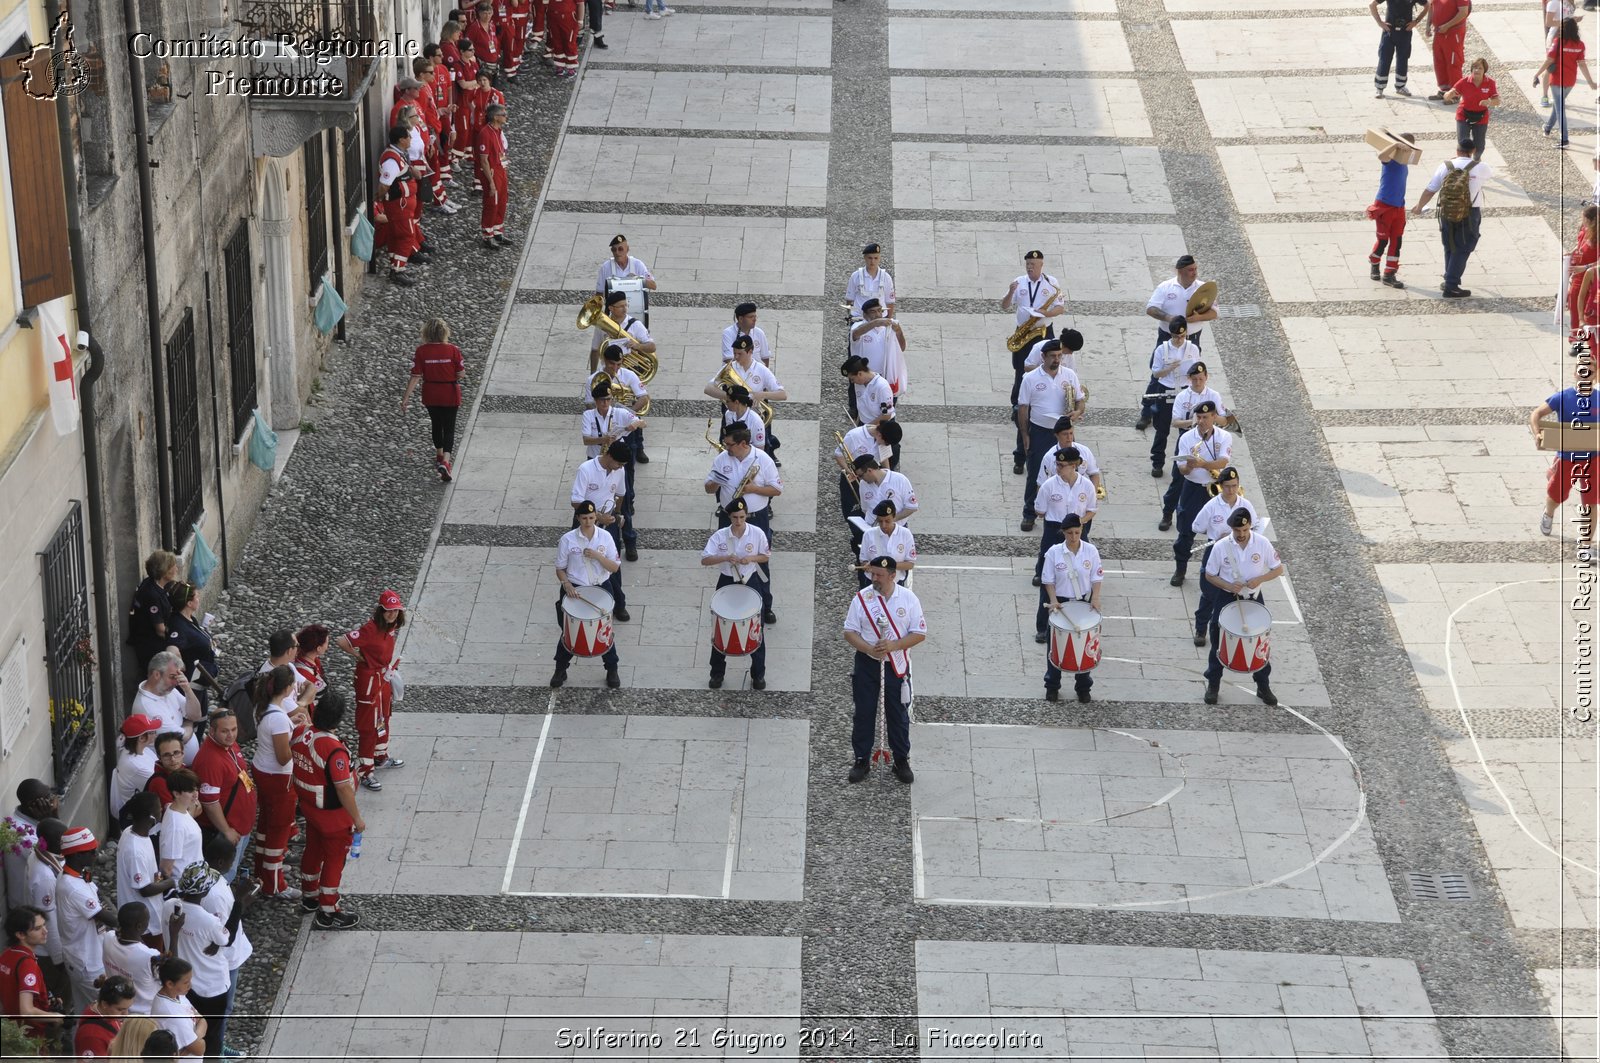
[(390, 600), (139, 724)]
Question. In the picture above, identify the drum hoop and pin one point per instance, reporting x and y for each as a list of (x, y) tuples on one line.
[(1243, 628)]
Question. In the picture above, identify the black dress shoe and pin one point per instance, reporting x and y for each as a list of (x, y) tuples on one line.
[(1199, 638), (716, 682), (613, 680), (1456, 293), (426, 248), (622, 614), (402, 278), (642, 458), (1083, 696), (1264, 692), (420, 259), (1211, 693), (1177, 579), (1052, 693), (1166, 522), (769, 618), (1036, 581), (1141, 424), (1018, 468), (631, 553), (759, 682), (559, 678), (902, 771), (1041, 636), (489, 245), (1157, 471), (600, 42), (859, 770), (1027, 525)]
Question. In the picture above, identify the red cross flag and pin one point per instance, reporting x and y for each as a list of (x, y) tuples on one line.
[(57, 347)]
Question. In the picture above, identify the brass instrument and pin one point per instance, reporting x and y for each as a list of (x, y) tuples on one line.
[(593, 315), (623, 395), (755, 467), (849, 477), (730, 377), (714, 442), (1194, 457), (1032, 329)]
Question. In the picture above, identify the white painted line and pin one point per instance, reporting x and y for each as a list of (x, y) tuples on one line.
[(1294, 603), (527, 796), (919, 879), (734, 817), (956, 568), (629, 896)]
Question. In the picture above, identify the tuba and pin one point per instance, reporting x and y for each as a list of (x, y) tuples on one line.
[(1033, 329), (593, 315), (730, 377)]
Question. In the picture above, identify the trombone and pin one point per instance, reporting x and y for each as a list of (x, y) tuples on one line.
[(849, 477)]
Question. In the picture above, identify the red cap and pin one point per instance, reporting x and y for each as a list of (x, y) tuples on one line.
[(78, 840), (390, 600), (140, 724)]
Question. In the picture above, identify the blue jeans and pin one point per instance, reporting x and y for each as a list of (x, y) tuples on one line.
[(238, 858), (661, 5), (1558, 109), (1460, 240)]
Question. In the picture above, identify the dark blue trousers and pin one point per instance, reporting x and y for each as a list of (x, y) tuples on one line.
[(758, 659), (1192, 498), (865, 680)]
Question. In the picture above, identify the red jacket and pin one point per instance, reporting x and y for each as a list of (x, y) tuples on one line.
[(440, 366)]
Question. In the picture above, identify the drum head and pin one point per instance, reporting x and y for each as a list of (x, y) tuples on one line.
[(1244, 619), (1057, 620), (1081, 616), (594, 604), (736, 602)]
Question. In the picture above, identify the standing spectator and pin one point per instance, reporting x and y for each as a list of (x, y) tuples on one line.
[(192, 641), (79, 915), (200, 940), (100, 1022), (661, 11), (491, 157), (150, 609), (397, 229), (485, 38), (1459, 185), (167, 695), (1399, 18), (326, 787), (227, 902), (173, 1011), (227, 791), (1574, 405), (136, 761), (1584, 254), (438, 365), (128, 955), (312, 644), (44, 875), (35, 801), (280, 695), (564, 22), (22, 989), (1447, 26), (596, 30), (514, 34), (180, 831), (372, 645), (1555, 13), (282, 648), (1474, 95), (1562, 63), (169, 758), (139, 877)]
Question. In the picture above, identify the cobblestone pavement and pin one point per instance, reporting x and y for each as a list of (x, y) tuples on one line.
[(1141, 877)]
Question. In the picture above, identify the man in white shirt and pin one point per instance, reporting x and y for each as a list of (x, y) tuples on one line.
[(584, 558), (1169, 365), (35, 801), (1065, 492), (620, 266), (1028, 296), (139, 878), (879, 339), (602, 482), (744, 324), (742, 555), (1203, 451), (638, 340), (726, 481), (1212, 523), (1460, 237), (878, 484), (79, 916), (605, 422), (1073, 572), (886, 538), (762, 384), (869, 282), (883, 624), (874, 440), (1240, 563), (869, 397), (1171, 299), (167, 696), (44, 872), (127, 956), (199, 931), (736, 411), (1046, 395), (617, 373), (1181, 416), (1067, 436)]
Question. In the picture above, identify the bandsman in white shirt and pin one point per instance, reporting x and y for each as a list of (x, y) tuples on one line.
[(1066, 492), (762, 384), (876, 441), (620, 266), (617, 373), (585, 557), (869, 282), (1047, 394), (1212, 525), (1181, 416), (886, 538), (883, 624), (741, 553), (604, 423), (1203, 452), (1073, 572), (744, 324), (743, 471), (872, 400), (879, 339), (1169, 368), (736, 411), (1070, 342), (1240, 563), (638, 339), (601, 482), (1067, 436), (1171, 299), (878, 483), (1028, 297)]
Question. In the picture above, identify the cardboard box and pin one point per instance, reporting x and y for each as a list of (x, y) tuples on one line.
[(1382, 140), (1564, 435)]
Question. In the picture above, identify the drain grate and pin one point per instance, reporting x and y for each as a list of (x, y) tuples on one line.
[(1439, 886), (1238, 310)]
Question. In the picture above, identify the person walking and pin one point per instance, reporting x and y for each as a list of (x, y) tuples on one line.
[(1398, 19), (1561, 64), (1473, 96), (438, 365), (1585, 253), (1573, 406), (1459, 185)]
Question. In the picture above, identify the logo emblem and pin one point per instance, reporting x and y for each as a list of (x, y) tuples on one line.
[(55, 69)]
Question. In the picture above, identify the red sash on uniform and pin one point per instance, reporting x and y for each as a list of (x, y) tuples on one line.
[(899, 660)]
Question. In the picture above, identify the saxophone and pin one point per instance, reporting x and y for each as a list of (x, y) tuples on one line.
[(1030, 330)]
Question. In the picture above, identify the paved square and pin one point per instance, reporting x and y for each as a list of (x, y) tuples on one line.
[(1258, 107), (665, 170), (507, 995), (996, 44), (784, 103), (1052, 107), (1572, 998), (1008, 7), (1244, 1005), (1075, 179), (1312, 178), (721, 40), (1211, 45)]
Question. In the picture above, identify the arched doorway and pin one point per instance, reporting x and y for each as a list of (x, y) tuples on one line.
[(283, 383)]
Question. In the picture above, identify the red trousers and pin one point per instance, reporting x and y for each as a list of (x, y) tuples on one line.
[(1448, 52), (493, 220), (1391, 222), (328, 836), (274, 821), (400, 235), (538, 18), (563, 26), (513, 38), (374, 704)]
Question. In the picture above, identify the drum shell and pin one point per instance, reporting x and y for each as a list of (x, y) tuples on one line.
[(586, 623), (1075, 638), (736, 621), (1244, 636)]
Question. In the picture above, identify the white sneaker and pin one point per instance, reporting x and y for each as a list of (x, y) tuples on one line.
[(667, 11), (652, 16), (288, 893), (1545, 524)]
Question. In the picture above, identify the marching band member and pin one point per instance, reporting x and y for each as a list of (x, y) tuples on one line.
[(1066, 436), (617, 372), (1181, 416), (1168, 301), (1026, 295), (1203, 451), (878, 483), (1065, 493), (726, 481), (744, 324), (1069, 343), (606, 422), (1073, 573), (583, 559), (886, 538), (870, 398), (620, 266), (1042, 400), (617, 310), (870, 440), (869, 282), (736, 411), (878, 339), (741, 553), (762, 385), (1169, 367), (884, 622), (1239, 565), (602, 483), (1212, 522)]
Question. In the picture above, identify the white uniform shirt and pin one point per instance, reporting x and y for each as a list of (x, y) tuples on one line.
[(1047, 465), (275, 721), (1187, 399), (894, 486), (1480, 173), (1220, 445), (609, 270), (200, 929), (751, 420), (898, 544), (594, 484), (904, 610), (1057, 498), (585, 571), (389, 169), (1031, 295), (1166, 352), (168, 708), (42, 895), (1233, 563), (77, 903), (874, 399), (1046, 396), (753, 543), (1035, 357), (177, 1017), (858, 442), (625, 376), (133, 771), (180, 839), (612, 423), (758, 337), (1171, 297), (757, 377), (863, 286), (132, 961), (1212, 520), (1073, 574), (727, 472), (136, 869), (877, 346)]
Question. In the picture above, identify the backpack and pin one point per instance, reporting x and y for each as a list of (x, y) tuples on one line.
[(240, 696), (1455, 195)]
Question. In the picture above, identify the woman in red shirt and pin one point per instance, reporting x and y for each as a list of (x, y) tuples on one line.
[(372, 645), (1562, 63), (1584, 255), (439, 365), (1476, 93)]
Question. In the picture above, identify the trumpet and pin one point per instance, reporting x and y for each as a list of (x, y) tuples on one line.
[(593, 315), (1032, 329), (623, 395)]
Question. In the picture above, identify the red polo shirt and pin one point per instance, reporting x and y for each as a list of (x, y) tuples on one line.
[(225, 780)]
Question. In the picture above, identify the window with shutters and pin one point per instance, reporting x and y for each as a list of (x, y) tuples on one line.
[(316, 211), (38, 198), (183, 418), (241, 326)]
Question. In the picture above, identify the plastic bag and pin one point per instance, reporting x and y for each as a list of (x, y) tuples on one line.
[(204, 561), (263, 445), (397, 684), (361, 240), (330, 308)]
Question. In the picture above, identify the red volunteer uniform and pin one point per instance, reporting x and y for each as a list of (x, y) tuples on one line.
[(491, 156), (563, 23), (374, 697), (485, 40), (95, 1034), (20, 973), (395, 210), (225, 780), (514, 32), (440, 365), (1448, 47), (466, 85), (320, 762)]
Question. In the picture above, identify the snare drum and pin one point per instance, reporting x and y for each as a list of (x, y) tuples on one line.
[(1245, 636), (1075, 637), (586, 622), (736, 620)]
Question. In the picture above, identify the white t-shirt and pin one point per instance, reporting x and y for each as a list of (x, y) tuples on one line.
[(200, 929), (582, 571), (136, 869), (131, 960), (1180, 358), (751, 420), (593, 483), (177, 1017), (1220, 445), (1188, 398), (863, 286), (624, 376), (1475, 178), (894, 486), (42, 895), (1047, 396), (133, 771), (905, 612), (1561, 9), (874, 399), (898, 544), (180, 839), (1233, 563), (219, 902), (1057, 498), (1212, 520), (168, 708), (728, 472), (612, 423), (858, 442), (1047, 464), (275, 721), (1171, 297), (77, 904), (876, 345), (758, 339)]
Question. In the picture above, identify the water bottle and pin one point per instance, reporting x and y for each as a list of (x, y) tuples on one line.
[(355, 846)]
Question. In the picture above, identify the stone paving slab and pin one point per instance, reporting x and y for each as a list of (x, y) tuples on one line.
[(667, 170), (1217, 45), (1051, 107), (462, 994), (487, 617), (1581, 117), (544, 354), (1327, 261), (1572, 999), (1071, 179), (1441, 483), (1411, 361), (644, 805), (721, 40), (1516, 38), (1009, 7), (661, 99), (715, 254), (1533, 802), (978, 259), (1293, 106), (1042, 1001), (981, 623), (996, 44), (1326, 178)]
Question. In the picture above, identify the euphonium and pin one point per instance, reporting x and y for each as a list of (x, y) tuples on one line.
[(623, 395), (730, 377), (1032, 329), (593, 315)]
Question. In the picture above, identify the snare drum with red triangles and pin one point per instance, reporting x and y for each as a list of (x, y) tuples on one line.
[(736, 620), (1244, 636), (586, 622)]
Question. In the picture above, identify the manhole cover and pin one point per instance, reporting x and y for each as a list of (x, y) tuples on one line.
[(1439, 886), (1238, 310)]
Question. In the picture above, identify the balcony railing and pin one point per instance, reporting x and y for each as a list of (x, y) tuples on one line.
[(313, 53)]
